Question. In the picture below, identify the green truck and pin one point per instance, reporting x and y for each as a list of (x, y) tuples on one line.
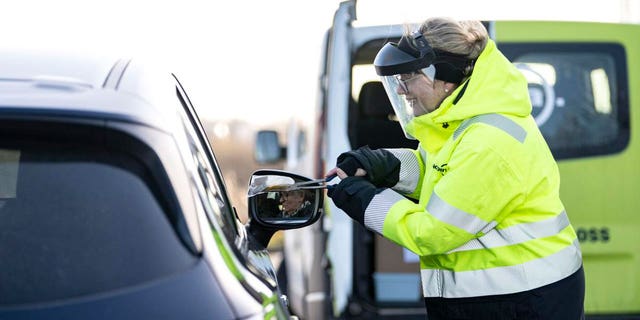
[(590, 113)]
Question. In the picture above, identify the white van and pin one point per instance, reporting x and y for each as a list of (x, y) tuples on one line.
[(581, 77)]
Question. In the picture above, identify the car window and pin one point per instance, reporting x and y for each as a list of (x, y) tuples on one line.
[(208, 172), (578, 94), (77, 220)]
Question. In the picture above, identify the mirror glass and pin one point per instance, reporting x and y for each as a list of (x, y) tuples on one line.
[(274, 200)]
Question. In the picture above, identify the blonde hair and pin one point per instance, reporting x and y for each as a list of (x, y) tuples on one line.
[(466, 38)]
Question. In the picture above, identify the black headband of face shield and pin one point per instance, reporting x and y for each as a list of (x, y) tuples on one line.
[(451, 67), (416, 45), (413, 52)]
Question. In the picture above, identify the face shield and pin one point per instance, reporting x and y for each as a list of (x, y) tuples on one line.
[(396, 87), (398, 65)]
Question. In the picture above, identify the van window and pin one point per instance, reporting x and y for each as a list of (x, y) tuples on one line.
[(78, 220), (578, 93)]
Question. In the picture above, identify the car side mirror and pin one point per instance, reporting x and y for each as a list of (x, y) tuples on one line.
[(276, 203), (267, 147)]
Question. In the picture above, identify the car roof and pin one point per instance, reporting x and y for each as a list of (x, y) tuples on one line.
[(98, 86), (88, 69)]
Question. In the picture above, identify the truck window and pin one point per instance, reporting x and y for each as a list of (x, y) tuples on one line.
[(578, 94)]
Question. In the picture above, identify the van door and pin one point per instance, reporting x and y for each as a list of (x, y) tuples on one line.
[(336, 89), (580, 78), (309, 252)]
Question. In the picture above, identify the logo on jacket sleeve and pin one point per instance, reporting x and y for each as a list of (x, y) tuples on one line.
[(441, 168)]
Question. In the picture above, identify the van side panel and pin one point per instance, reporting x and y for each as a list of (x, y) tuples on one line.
[(600, 190)]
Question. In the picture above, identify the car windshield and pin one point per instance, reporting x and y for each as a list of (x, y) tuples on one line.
[(78, 220)]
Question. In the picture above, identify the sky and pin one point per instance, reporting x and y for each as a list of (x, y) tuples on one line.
[(254, 60), (237, 59)]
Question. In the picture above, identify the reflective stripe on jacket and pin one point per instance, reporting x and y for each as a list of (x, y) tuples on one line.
[(489, 219)]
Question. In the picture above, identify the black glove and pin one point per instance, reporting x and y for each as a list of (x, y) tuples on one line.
[(353, 195), (383, 168)]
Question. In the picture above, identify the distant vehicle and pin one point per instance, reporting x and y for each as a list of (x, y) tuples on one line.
[(583, 79), (112, 205)]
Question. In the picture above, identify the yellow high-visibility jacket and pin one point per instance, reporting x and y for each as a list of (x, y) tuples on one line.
[(489, 219)]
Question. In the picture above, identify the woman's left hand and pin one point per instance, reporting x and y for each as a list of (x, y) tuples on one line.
[(342, 175)]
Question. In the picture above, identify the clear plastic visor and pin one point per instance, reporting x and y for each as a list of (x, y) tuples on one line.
[(397, 87)]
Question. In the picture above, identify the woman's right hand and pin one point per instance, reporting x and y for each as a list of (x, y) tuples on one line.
[(379, 166)]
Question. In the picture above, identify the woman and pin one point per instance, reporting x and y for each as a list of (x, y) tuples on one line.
[(478, 201)]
